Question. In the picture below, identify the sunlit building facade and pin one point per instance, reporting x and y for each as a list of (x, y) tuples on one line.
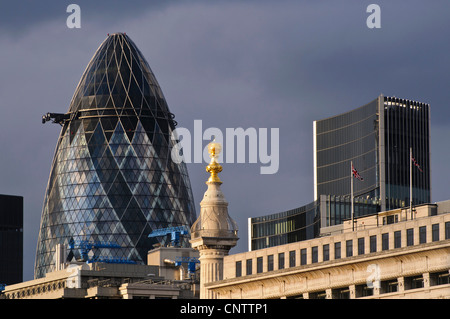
[(388, 255), (112, 179), (377, 138)]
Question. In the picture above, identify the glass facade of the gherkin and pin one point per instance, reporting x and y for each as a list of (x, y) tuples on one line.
[(112, 178)]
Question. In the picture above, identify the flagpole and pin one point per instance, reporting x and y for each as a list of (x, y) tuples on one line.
[(351, 190), (410, 182)]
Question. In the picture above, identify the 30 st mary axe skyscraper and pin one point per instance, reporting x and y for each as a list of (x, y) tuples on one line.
[(112, 178)]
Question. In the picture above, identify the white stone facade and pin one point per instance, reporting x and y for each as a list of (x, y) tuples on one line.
[(376, 261)]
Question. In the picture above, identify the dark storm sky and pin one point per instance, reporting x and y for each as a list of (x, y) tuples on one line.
[(261, 64)]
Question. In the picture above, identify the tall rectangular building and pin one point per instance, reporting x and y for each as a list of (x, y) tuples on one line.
[(376, 138), (11, 239)]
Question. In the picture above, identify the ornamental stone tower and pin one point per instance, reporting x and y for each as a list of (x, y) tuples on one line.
[(214, 233)]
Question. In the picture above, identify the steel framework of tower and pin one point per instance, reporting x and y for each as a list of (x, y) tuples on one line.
[(112, 169)]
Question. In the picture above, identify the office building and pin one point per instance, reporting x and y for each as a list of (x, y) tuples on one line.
[(389, 255), (161, 278), (11, 239), (304, 222), (112, 179), (377, 139)]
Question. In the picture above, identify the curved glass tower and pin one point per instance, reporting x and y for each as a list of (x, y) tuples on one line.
[(378, 138), (112, 178)]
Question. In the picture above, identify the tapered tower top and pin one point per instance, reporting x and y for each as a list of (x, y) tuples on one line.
[(215, 232), (214, 167)]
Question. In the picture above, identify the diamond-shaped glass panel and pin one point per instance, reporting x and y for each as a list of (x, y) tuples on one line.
[(112, 179)]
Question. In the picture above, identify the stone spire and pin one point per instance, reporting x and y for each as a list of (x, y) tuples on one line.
[(215, 232)]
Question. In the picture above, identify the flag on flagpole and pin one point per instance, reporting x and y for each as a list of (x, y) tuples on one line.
[(415, 163), (356, 174)]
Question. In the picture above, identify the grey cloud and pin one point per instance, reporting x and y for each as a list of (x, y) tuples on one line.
[(232, 63)]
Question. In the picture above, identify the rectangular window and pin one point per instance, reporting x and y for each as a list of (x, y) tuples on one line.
[(385, 241), (414, 282), (410, 237), (292, 258), (349, 248), (447, 230), (326, 252), (238, 268), (422, 235), (391, 286), (249, 267), (259, 265), (281, 261), (440, 278), (270, 263), (397, 239), (314, 254), (337, 250), (435, 232), (390, 219), (361, 246), (303, 256), (373, 243)]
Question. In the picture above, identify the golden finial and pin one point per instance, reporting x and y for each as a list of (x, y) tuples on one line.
[(214, 167)]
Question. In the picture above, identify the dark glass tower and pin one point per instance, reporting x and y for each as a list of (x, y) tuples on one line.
[(11, 239), (377, 138), (112, 178)]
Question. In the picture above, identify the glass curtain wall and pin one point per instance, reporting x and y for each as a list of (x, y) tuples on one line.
[(355, 137), (341, 140), (112, 179), (286, 227), (406, 126), (304, 222)]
